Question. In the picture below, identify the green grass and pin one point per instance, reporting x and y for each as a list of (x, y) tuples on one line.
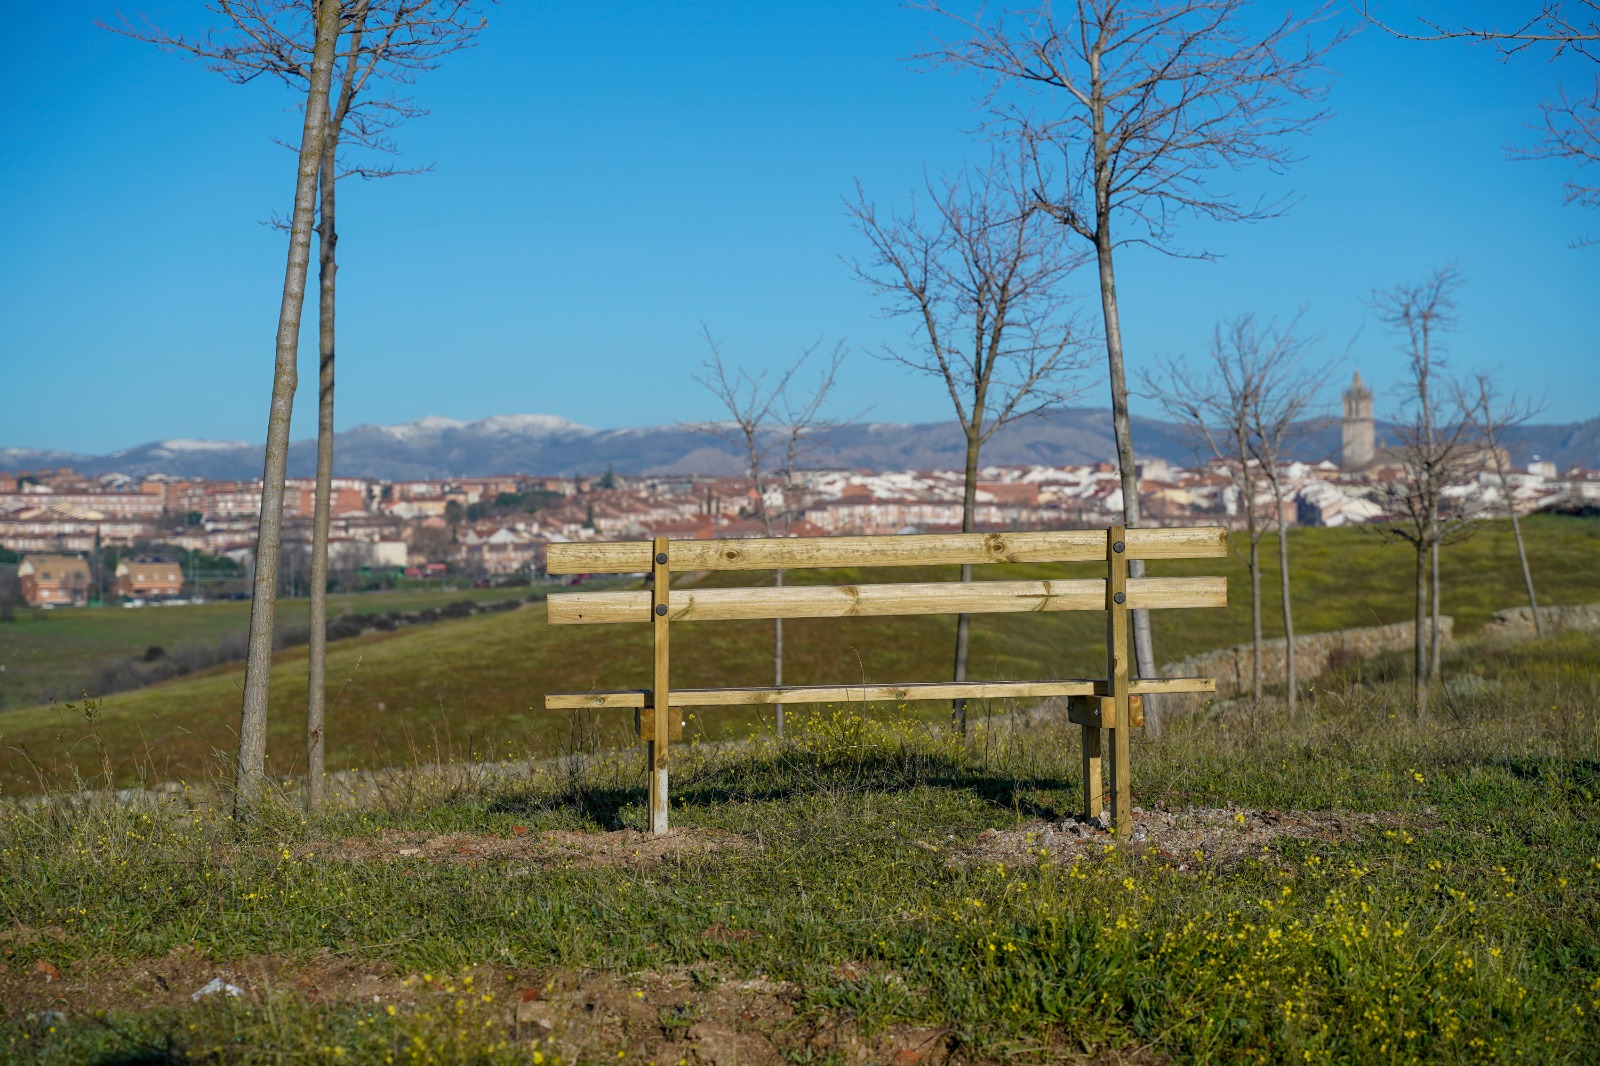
[(60, 649), (1461, 932), (475, 687)]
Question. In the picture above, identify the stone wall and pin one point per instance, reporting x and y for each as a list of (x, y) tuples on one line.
[(1518, 621), (1315, 653)]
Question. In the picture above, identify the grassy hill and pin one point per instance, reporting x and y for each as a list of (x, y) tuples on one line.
[(60, 651), (475, 686)]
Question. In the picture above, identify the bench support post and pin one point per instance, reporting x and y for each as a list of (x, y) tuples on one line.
[(1117, 677), (1094, 792), (660, 689)]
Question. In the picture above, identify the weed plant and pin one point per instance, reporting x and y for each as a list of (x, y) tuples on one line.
[(1461, 928)]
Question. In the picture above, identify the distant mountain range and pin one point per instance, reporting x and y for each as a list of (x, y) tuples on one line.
[(547, 444)]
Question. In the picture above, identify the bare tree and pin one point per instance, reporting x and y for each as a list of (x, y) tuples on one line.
[(1122, 109), (394, 40), (1254, 393), (382, 43), (773, 425), (1495, 419), (251, 768), (1289, 385), (982, 277), (1437, 445), (1570, 125), (1214, 406)]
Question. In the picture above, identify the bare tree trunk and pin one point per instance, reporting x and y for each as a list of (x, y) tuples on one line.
[(317, 652), (1527, 575), (1433, 610), (1511, 504), (777, 652), (250, 772), (1522, 551), (1432, 474), (1290, 680), (969, 524), (1143, 652), (1256, 637), (1419, 665)]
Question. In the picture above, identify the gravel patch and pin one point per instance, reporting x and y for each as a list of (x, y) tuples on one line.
[(1187, 838)]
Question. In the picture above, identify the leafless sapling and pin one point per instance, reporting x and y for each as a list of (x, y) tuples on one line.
[(983, 278), (1123, 109), (1437, 449), (773, 424), (250, 771), (1496, 419), (1215, 405), (383, 43), (1290, 383), (1252, 394)]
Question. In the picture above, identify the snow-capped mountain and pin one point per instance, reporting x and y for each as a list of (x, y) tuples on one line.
[(548, 444)]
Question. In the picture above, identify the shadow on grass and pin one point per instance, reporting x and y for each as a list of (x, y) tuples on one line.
[(768, 782), (1004, 793), (1578, 776), (792, 776), (1009, 794), (602, 806), (161, 1050), (142, 1057)]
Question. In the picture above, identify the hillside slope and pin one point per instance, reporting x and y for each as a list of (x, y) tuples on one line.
[(475, 686)]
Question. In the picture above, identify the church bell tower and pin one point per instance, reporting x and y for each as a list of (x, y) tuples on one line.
[(1360, 432)]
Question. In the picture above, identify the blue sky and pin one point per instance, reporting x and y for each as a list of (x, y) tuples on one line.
[(611, 175)]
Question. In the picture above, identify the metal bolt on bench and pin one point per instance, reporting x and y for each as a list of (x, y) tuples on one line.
[(1109, 705)]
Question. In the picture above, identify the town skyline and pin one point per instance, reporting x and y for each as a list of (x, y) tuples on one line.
[(63, 525), (532, 264)]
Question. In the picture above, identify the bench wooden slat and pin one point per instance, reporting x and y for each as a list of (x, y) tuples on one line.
[(843, 601), (737, 697), (913, 549)]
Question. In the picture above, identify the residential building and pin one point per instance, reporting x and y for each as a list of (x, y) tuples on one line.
[(52, 580), (148, 578), (50, 529), (121, 506), (352, 553), (503, 551)]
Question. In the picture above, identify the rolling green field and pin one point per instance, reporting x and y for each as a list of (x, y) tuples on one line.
[(866, 891), (61, 649), (475, 687)]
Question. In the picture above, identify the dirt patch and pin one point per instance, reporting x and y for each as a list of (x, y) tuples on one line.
[(172, 981), (691, 1015), (572, 1012), (553, 848), (899, 1045), (681, 1016), (1186, 838), (668, 1017)]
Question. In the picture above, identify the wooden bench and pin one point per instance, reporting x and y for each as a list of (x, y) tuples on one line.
[(1110, 704)]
